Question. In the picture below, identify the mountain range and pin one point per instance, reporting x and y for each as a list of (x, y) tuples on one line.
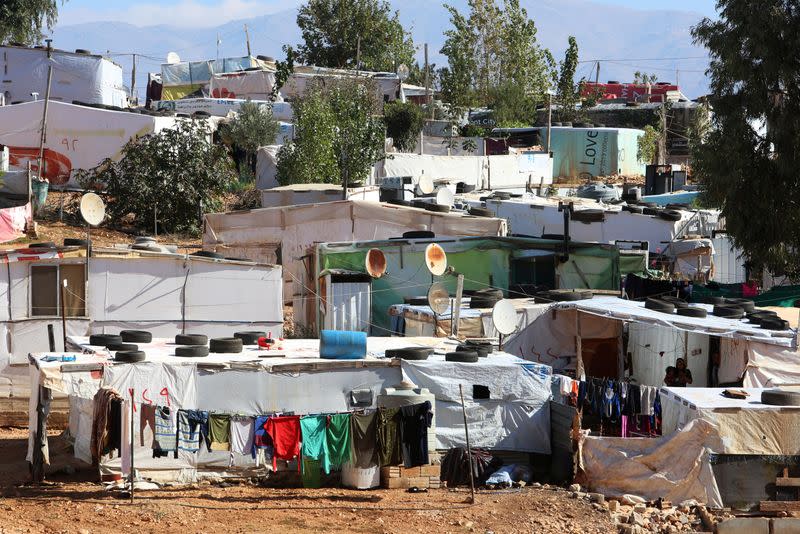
[(624, 40)]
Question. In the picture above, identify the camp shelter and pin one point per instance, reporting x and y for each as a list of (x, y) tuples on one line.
[(220, 107), (77, 75), (288, 235), (587, 335), (164, 293), (295, 194), (78, 137), (508, 411), (184, 78), (484, 261)]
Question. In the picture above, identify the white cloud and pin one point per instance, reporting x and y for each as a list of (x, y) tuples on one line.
[(185, 13)]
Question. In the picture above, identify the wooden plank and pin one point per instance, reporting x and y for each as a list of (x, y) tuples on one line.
[(788, 482), (779, 506)]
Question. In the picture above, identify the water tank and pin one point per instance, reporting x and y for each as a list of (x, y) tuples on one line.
[(407, 394)]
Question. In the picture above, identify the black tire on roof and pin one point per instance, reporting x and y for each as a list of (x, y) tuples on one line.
[(482, 352), (463, 357), (779, 397), (715, 300), (565, 295), (191, 339), (73, 242), (487, 345), (670, 215), (207, 254), (250, 337), (659, 305), (226, 345), (588, 216), (438, 208), (398, 202), (46, 244), (745, 304), (758, 316), (129, 356), (136, 336), (409, 353), (675, 301), (480, 212), (633, 209), (774, 323), (104, 340), (418, 234), (692, 311), (191, 351), (728, 312), (122, 346)]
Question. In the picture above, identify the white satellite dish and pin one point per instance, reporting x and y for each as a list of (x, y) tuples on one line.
[(504, 317), (173, 58), (444, 197), (93, 209), (425, 185), (402, 71), (435, 259)]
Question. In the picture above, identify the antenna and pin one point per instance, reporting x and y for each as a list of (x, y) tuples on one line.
[(438, 298), (444, 197), (93, 209), (435, 259), (504, 318), (402, 71), (375, 262), (425, 185), (173, 58)]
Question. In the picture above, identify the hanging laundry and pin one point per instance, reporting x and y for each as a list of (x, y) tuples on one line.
[(285, 433), (241, 434), (364, 433), (262, 442), (219, 430), (126, 439), (164, 438), (338, 438), (188, 435), (147, 418), (198, 420), (105, 432), (633, 402), (315, 447), (388, 433), (415, 421), (648, 396)]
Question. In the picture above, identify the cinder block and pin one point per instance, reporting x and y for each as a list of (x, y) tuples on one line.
[(785, 525), (406, 482), (406, 472), (390, 472), (744, 525), (430, 470)]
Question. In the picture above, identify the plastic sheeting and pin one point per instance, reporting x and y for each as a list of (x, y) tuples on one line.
[(515, 417), (296, 194), (87, 78), (200, 72), (674, 467), (595, 151), (654, 348), (247, 85), (13, 222), (78, 137)]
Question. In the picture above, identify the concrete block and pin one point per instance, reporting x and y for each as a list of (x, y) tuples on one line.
[(744, 525), (406, 472), (430, 470), (406, 482), (786, 525)]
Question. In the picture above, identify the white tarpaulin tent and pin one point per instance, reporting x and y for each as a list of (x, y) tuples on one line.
[(220, 107), (249, 85), (515, 417), (166, 294), (78, 137), (83, 77), (287, 235)]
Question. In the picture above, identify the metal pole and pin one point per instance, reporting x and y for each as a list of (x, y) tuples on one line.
[(549, 118), (469, 449), (133, 81), (64, 314), (247, 36), (456, 311), (51, 338), (132, 443), (30, 190)]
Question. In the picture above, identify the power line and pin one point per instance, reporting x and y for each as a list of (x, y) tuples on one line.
[(645, 59)]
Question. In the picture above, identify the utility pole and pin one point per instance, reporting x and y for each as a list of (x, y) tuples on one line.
[(428, 84), (43, 137), (133, 81), (247, 37), (597, 75)]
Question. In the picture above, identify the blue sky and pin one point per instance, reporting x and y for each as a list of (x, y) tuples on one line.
[(206, 13)]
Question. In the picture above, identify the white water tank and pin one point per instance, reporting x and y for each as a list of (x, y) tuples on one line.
[(407, 394)]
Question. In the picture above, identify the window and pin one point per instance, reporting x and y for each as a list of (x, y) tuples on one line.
[(480, 392), (46, 283)]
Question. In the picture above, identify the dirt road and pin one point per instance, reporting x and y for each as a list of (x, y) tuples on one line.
[(76, 504)]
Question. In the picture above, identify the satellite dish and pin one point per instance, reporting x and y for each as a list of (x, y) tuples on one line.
[(444, 197), (402, 71), (173, 58), (376, 263), (504, 317), (435, 259), (93, 209), (425, 185), (438, 298)]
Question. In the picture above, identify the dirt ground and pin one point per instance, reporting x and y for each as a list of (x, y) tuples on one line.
[(75, 503)]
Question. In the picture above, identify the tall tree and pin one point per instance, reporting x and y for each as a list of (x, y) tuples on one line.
[(331, 30), (460, 47), (22, 21), (748, 160), (566, 91)]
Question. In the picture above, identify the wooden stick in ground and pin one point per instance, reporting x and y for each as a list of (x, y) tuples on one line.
[(469, 449), (133, 478)]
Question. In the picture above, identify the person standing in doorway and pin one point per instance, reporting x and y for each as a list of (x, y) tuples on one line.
[(683, 376)]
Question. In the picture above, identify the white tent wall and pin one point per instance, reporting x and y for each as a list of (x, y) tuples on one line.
[(294, 230), (267, 167), (248, 85), (483, 172), (654, 348), (78, 137), (86, 78), (728, 262), (296, 194)]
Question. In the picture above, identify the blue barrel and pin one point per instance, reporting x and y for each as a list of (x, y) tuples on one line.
[(342, 345)]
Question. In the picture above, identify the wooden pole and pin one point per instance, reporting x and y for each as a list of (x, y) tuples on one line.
[(132, 443), (469, 449), (43, 136), (133, 81), (597, 75), (455, 314), (247, 37), (64, 314)]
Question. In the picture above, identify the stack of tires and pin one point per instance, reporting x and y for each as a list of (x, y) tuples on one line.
[(191, 345)]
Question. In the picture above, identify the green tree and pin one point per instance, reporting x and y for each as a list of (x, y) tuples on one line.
[(643, 78), (283, 69), (337, 135), (748, 160), (251, 128), (647, 145), (178, 171), (404, 122), (567, 94), (331, 29), (22, 21), (457, 87)]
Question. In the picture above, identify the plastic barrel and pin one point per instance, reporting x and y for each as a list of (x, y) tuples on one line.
[(342, 345)]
